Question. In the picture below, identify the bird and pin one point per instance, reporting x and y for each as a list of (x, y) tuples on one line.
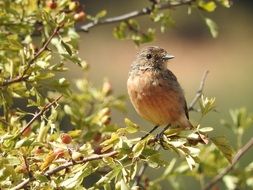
[(155, 91)]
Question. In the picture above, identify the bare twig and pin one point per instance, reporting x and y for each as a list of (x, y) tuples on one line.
[(4, 122), (48, 173), (40, 113), (235, 160), (22, 184), (134, 14), (26, 181), (141, 172), (27, 166), (23, 76), (68, 164), (199, 92)]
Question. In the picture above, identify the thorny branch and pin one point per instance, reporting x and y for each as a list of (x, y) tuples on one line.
[(48, 173), (235, 160), (134, 14), (24, 76), (40, 113)]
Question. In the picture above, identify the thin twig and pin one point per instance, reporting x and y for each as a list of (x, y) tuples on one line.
[(134, 14), (199, 92), (142, 170), (23, 76), (48, 173), (235, 160), (40, 113), (22, 184), (68, 164), (4, 122)]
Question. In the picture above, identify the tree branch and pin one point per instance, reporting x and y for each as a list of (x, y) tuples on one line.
[(48, 173), (199, 92), (71, 163), (235, 160), (40, 113), (23, 76), (134, 14)]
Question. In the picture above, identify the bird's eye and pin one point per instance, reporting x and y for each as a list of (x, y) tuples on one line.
[(148, 56)]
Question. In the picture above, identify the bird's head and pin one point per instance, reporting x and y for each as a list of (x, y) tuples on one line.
[(153, 56)]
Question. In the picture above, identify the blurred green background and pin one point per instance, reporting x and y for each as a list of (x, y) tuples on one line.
[(228, 57)]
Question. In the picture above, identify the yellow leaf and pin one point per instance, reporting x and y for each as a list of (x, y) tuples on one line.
[(207, 6)]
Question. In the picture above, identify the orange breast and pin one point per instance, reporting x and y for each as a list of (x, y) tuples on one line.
[(155, 100)]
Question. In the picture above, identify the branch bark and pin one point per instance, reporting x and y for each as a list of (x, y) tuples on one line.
[(48, 173), (71, 163), (23, 76), (199, 92), (40, 113), (235, 160), (134, 14)]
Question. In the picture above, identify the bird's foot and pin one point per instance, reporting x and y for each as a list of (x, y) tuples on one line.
[(160, 137)]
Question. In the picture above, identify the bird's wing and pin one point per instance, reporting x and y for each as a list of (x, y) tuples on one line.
[(186, 109), (172, 77)]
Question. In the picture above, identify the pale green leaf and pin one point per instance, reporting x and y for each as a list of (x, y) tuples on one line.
[(138, 148), (206, 129), (190, 161), (230, 182), (223, 145), (101, 14), (212, 26), (209, 6), (131, 127), (42, 64), (67, 47), (169, 169), (124, 185)]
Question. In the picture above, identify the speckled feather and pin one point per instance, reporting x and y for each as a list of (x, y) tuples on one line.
[(155, 92)]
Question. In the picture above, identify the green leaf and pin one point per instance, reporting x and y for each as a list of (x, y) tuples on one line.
[(74, 181), (124, 185), (241, 118), (231, 181), (190, 161), (119, 31), (41, 178), (177, 143), (209, 6), (212, 26), (206, 129), (223, 145), (138, 148), (155, 161), (42, 64), (72, 58), (77, 179), (101, 14), (206, 105), (61, 17), (169, 169), (226, 3), (67, 47), (24, 142), (131, 127), (109, 176)]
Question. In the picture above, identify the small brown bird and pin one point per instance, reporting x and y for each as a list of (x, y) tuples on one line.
[(154, 90)]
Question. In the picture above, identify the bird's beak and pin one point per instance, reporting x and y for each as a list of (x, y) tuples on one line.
[(168, 56)]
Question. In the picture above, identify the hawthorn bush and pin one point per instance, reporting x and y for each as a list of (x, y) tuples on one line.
[(37, 39)]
